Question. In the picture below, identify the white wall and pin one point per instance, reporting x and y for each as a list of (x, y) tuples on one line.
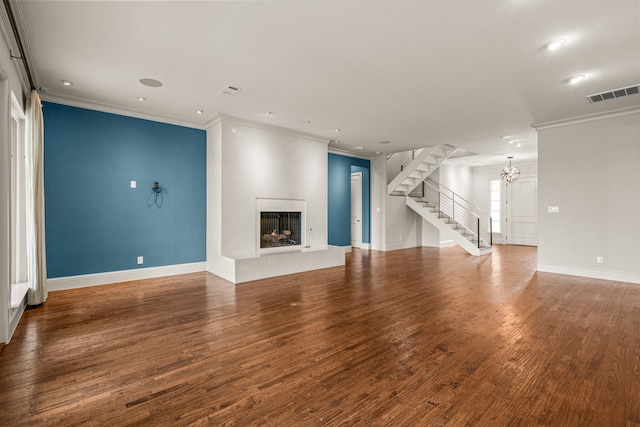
[(378, 203), (403, 226), (456, 178), (259, 162), (590, 170), (216, 263)]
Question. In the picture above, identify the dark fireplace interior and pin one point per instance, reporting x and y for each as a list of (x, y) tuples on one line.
[(278, 229)]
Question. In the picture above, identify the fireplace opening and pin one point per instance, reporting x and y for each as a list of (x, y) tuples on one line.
[(279, 229)]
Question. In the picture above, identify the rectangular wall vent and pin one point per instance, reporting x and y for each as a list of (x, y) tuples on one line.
[(616, 93)]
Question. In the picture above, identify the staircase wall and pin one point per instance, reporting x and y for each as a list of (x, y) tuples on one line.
[(393, 225)]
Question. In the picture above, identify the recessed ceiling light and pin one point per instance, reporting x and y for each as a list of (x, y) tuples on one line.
[(556, 44), (512, 141), (306, 122), (519, 145), (576, 79), (199, 111), (141, 99), (66, 82), (507, 137), (385, 142), (337, 130), (150, 82), (269, 113), (334, 141), (360, 147)]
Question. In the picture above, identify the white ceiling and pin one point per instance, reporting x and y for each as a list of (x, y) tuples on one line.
[(415, 73)]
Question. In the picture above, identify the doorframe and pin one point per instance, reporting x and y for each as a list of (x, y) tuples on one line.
[(5, 209), (358, 203)]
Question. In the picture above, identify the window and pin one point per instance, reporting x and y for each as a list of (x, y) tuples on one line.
[(18, 201), (495, 189)]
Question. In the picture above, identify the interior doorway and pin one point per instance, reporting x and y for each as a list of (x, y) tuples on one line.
[(356, 209)]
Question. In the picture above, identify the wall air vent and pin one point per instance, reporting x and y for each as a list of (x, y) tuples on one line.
[(616, 93), (230, 90)]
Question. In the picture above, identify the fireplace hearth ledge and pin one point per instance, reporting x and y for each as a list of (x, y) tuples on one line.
[(254, 267)]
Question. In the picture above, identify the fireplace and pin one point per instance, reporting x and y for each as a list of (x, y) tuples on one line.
[(280, 225), (280, 229)]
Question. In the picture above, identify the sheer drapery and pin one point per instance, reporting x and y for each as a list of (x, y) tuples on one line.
[(36, 256)]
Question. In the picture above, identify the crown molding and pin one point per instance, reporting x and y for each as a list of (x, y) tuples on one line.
[(586, 118), (106, 108), (352, 154), (213, 122)]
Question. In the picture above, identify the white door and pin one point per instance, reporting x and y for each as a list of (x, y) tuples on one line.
[(356, 210), (522, 212)]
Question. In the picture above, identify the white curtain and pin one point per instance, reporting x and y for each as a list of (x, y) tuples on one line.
[(36, 254)]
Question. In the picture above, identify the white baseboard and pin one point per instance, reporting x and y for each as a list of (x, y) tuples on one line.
[(594, 274), (365, 246), (447, 243), (398, 246), (81, 281)]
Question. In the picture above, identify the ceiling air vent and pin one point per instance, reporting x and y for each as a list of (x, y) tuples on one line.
[(616, 93), (230, 90)]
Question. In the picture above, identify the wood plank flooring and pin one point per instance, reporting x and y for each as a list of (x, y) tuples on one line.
[(416, 337)]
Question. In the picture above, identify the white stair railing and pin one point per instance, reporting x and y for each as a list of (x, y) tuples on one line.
[(396, 162), (421, 166)]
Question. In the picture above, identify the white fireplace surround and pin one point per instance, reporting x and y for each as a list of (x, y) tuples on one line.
[(239, 186), (280, 205)]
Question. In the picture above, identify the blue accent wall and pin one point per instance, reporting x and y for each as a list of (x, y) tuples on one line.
[(339, 204), (95, 222)]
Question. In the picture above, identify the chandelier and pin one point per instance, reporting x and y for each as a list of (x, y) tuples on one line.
[(510, 173)]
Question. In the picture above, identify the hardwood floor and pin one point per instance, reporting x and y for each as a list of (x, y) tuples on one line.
[(417, 337)]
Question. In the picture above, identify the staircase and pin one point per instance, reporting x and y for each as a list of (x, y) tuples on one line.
[(421, 165), (456, 218)]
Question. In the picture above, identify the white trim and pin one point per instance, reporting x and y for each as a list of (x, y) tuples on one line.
[(594, 274), (586, 118), (107, 108), (84, 280), (18, 292), (346, 153), (216, 120), (365, 246), (357, 176), (398, 246)]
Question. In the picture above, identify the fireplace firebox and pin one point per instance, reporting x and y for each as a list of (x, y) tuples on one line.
[(280, 229)]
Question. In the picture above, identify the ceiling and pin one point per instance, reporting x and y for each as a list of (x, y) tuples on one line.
[(415, 73)]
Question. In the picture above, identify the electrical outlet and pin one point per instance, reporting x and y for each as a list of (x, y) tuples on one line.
[(133, 184), (140, 260), (553, 209), (600, 260)]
